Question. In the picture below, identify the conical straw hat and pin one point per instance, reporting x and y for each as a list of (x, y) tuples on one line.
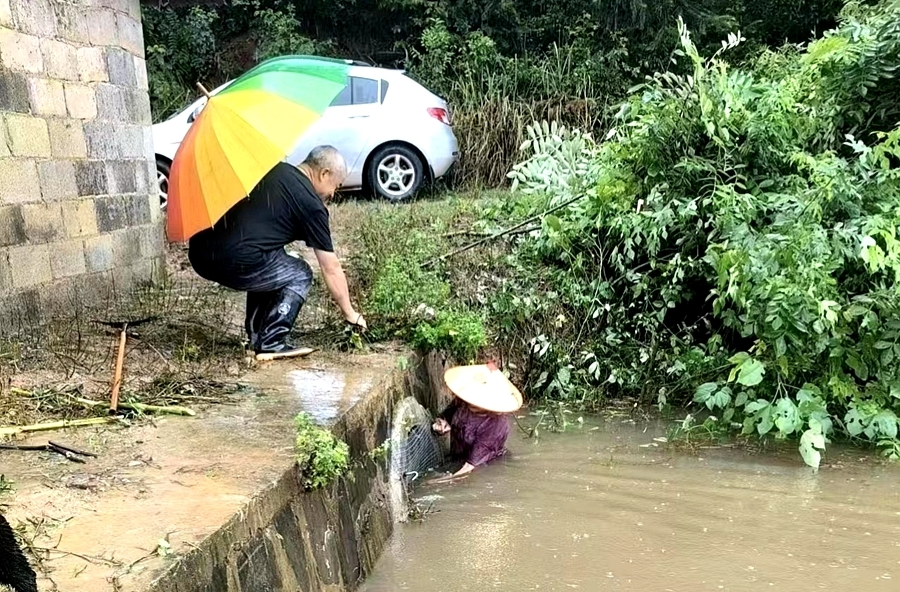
[(484, 386)]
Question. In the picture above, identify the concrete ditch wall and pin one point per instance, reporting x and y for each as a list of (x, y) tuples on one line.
[(287, 539), (79, 211)]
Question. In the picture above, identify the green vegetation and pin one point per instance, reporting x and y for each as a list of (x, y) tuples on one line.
[(420, 305), (737, 237), (321, 457), (733, 245), (500, 65), (6, 486)]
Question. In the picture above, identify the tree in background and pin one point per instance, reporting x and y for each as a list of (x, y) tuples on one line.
[(509, 61)]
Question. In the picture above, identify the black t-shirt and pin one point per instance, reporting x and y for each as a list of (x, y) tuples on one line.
[(281, 209)]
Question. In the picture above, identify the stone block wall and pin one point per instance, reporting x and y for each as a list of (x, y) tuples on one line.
[(79, 210)]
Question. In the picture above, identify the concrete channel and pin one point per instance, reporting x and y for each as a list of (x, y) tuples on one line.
[(223, 489)]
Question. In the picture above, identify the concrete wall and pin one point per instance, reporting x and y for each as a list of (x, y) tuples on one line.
[(78, 205), (287, 539)]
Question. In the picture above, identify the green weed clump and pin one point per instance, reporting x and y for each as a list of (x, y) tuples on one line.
[(423, 305), (461, 333), (321, 457)]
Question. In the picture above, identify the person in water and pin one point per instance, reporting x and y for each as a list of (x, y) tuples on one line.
[(478, 418)]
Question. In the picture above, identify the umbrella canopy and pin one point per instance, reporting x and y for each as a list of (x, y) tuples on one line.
[(242, 133)]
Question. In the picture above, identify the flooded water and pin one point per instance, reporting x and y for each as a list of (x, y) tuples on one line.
[(605, 508)]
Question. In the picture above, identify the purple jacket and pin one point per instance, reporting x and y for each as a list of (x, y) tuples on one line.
[(476, 438)]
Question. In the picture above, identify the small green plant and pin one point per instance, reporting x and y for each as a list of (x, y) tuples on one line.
[(401, 285), (462, 334), (320, 456), (6, 486), (380, 452)]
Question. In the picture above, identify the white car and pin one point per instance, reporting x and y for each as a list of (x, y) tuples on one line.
[(394, 134)]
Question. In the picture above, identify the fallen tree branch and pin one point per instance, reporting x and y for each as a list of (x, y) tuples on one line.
[(70, 453), (66, 453), (71, 449), (465, 233), (497, 235), (89, 558), (25, 447)]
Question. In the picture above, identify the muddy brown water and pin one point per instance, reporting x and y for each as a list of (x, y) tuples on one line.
[(607, 508)]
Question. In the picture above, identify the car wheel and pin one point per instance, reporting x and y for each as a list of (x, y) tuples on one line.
[(162, 183), (395, 173)]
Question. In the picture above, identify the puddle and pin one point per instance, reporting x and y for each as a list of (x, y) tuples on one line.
[(323, 393), (602, 510)]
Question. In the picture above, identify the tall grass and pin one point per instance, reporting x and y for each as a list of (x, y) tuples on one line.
[(493, 103)]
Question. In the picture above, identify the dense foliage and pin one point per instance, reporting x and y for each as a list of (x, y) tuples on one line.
[(737, 236), (732, 244), (501, 65)]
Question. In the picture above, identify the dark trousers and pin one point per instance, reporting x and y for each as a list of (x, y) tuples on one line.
[(265, 287), (279, 271)]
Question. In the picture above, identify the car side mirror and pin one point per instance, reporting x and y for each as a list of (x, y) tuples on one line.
[(196, 113)]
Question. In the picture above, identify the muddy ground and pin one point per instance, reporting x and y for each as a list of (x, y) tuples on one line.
[(160, 482), (192, 352)]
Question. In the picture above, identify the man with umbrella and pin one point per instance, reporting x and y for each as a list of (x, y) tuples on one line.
[(245, 250), (233, 196)]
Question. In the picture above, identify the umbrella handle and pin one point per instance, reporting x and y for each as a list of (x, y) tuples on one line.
[(203, 90)]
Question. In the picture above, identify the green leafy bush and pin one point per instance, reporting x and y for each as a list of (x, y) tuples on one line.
[(321, 457), (279, 33), (181, 51), (736, 240), (400, 286), (211, 45), (433, 306), (461, 333)]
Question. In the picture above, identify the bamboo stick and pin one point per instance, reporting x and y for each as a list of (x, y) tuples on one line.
[(117, 377), (143, 407), (55, 425)]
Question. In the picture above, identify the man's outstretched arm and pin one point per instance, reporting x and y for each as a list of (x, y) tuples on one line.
[(337, 286)]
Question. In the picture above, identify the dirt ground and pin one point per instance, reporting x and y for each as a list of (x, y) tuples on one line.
[(190, 353), (161, 482)]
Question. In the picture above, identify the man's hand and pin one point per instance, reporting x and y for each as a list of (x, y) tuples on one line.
[(440, 426), (337, 286), (357, 320)]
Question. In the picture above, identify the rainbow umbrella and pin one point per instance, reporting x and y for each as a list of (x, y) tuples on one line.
[(243, 132)]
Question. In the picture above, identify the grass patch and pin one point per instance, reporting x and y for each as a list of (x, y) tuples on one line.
[(321, 457), (437, 306)]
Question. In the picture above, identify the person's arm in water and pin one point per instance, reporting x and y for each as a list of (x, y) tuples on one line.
[(491, 436), (465, 470), (337, 286)]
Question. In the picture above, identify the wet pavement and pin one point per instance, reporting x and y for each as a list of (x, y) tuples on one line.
[(606, 507), (173, 480)]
